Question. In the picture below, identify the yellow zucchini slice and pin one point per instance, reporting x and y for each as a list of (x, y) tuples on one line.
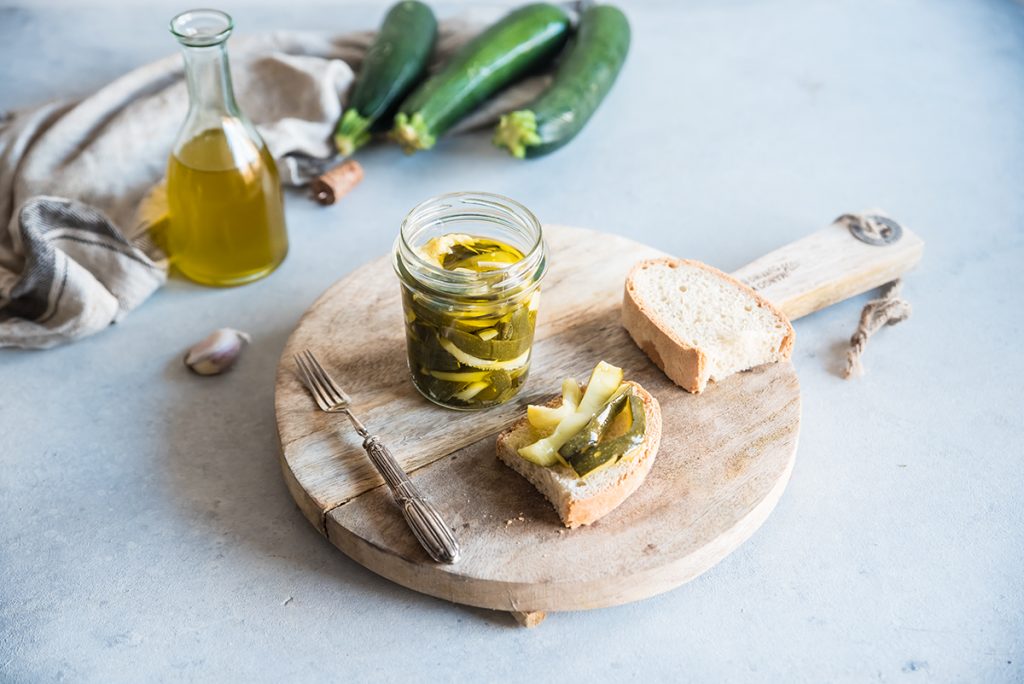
[(604, 380)]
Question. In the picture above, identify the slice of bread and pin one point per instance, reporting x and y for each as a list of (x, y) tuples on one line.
[(698, 324), (583, 501)]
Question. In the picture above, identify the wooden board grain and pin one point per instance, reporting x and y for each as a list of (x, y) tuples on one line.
[(828, 266), (724, 461)]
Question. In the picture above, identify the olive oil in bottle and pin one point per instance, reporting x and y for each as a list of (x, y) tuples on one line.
[(225, 205), (226, 215)]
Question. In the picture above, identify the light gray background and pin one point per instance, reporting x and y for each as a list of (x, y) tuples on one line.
[(145, 532)]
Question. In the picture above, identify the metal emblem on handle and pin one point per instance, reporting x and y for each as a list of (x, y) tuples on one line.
[(872, 229)]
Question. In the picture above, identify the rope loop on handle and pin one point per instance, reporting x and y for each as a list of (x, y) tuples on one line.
[(888, 309)]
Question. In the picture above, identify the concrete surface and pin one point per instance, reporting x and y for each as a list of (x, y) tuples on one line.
[(145, 532)]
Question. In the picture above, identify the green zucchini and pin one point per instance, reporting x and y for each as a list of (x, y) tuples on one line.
[(518, 43), (583, 78), (488, 349), (394, 64), (594, 430), (606, 452)]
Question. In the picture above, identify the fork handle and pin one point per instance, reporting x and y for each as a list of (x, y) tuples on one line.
[(426, 523)]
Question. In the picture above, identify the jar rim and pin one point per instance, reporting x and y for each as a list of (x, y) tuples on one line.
[(513, 275), (202, 27)]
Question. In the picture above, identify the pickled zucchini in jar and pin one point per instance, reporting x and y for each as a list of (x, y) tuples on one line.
[(475, 353)]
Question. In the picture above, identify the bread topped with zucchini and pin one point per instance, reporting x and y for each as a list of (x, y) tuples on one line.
[(589, 449)]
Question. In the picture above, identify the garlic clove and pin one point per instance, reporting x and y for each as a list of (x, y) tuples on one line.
[(216, 353)]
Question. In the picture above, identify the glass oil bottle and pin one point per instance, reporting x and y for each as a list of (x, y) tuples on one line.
[(225, 203)]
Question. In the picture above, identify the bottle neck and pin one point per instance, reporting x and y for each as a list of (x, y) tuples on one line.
[(209, 79)]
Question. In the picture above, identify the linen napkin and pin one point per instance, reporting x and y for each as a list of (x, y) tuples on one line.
[(74, 249)]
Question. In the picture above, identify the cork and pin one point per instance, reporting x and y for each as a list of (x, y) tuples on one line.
[(336, 183)]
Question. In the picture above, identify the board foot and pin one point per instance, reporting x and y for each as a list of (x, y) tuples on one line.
[(530, 619)]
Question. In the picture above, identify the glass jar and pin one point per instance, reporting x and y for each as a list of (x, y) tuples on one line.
[(225, 204), (470, 266)]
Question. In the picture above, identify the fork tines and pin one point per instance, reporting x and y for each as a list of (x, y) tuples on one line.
[(328, 394)]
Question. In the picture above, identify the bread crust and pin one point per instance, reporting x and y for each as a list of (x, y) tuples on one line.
[(683, 364), (577, 512)]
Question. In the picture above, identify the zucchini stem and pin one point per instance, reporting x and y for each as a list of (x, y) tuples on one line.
[(352, 132), (517, 131), (412, 133)]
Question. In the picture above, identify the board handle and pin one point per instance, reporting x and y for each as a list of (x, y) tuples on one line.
[(857, 253)]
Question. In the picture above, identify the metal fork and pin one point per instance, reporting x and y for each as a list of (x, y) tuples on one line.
[(426, 523)]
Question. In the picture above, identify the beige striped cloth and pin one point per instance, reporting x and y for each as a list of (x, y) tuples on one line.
[(74, 253)]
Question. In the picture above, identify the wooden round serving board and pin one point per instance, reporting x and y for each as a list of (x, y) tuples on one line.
[(725, 456)]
